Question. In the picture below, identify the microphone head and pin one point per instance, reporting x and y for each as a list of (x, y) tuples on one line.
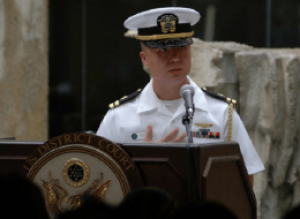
[(187, 88)]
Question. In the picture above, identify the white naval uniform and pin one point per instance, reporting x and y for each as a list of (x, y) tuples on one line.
[(132, 118)]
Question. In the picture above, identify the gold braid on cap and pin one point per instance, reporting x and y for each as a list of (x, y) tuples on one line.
[(165, 36)]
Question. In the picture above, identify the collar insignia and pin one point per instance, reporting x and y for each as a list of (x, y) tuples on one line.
[(168, 23), (204, 125)]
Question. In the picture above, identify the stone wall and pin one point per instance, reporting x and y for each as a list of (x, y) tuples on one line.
[(270, 109), (24, 69), (266, 83), (213, 66)]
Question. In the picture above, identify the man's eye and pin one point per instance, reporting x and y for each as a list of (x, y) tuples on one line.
[(163, 49), (182, 47)]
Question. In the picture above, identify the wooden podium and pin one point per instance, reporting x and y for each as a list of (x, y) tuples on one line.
[(220, 171)]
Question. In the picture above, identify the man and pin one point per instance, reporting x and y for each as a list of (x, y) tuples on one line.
[(155, 113)]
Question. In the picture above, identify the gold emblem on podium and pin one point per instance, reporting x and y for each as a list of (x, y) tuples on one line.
[(76, 173), (55, 194)]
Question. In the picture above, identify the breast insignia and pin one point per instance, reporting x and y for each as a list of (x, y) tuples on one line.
[(124, 99), (204, 125)]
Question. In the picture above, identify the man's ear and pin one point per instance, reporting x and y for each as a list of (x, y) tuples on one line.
[(143, 58)]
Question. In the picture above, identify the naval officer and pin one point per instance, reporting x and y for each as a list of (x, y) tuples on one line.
[(155, 113)]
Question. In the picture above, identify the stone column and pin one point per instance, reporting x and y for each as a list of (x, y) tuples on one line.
[(24, 69), (270, 109)]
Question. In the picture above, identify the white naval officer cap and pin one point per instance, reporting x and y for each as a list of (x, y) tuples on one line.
[(164, 27)]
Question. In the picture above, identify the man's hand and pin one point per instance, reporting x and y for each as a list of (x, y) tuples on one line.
[(170, 137)]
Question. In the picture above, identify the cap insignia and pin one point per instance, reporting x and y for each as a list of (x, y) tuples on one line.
[(168, 23)]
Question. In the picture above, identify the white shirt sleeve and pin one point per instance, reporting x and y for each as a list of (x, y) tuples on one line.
[(252, 161), (109, 128)]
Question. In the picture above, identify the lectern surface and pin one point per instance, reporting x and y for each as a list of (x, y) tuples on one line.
[(220, 171)]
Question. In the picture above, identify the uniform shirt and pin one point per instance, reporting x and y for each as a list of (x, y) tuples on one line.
[(128, 122)]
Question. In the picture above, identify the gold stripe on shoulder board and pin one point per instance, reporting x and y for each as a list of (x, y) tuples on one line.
[(111, 106), (116, 103)]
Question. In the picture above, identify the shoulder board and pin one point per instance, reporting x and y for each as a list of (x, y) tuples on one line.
[(124, 99), (219, 96)]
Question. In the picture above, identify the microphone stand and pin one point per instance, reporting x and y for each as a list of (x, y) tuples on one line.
[(187, 120)]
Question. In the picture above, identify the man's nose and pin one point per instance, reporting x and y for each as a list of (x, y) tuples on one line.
[(175, 55)]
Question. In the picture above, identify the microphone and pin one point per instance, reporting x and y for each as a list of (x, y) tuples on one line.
[(187, 93)]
